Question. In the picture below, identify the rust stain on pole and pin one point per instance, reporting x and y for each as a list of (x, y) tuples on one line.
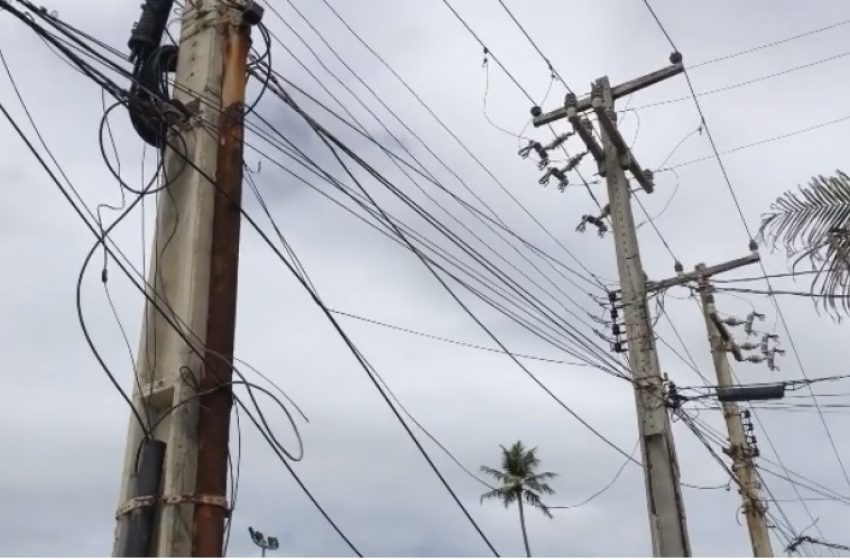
[(217, 399)]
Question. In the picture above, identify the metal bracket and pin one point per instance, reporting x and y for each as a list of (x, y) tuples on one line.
[(172, 500), (135, 503), (586, 135)]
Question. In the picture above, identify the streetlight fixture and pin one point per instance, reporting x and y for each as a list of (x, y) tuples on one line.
[(265, 543)]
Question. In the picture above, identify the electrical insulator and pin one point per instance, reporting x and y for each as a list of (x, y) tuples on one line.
[(558, 141), (544, 180), (748, 328), (649, 175), (574, 161), (771, 358), (764, 341), (733, 321), (532, 145), (562, 178)]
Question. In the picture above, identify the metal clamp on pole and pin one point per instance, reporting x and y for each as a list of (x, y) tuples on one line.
[(136, 516)]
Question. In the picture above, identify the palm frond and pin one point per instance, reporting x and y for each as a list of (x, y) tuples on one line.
[(494, 493), (538, 484), (533, 500), (543, 476), (496, 474), (812, 225)]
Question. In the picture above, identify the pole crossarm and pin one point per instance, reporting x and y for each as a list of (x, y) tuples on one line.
[(626, 88), (707, 272)]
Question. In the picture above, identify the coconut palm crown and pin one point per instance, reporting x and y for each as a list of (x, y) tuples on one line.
[(519, 482)]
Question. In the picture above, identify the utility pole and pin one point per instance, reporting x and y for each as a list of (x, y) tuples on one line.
[(740, 450), (661, 472), (184, 387)]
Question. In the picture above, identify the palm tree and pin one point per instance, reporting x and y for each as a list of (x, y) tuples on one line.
[(813, 225), (518, 482)]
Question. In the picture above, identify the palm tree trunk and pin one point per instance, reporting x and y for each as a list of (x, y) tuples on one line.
[(522, 525)]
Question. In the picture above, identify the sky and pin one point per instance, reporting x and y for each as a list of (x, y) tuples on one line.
[(64, 424)]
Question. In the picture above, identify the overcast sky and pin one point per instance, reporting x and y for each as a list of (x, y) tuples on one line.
[(63, 424)]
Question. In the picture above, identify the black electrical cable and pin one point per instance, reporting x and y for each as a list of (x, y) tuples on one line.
[(749, 82), (329, 140), (769, 45), (470, 252), (760, 142), (413, 157), (550, 260), (545, 58), (460, 264), (454, 136), (495, 272)]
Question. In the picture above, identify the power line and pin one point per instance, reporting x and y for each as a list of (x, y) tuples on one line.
[(804, 538), (781, 293), (455, 137), (476, 213), (332, 141), (760, 142), (548, 313), (747, 82), (488, 52), (769, 45), (451, 341), (604, 488), (454, 262), (545, 58), (761, 278)]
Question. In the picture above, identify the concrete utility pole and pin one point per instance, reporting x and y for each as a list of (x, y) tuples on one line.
[(740, 450), (664, 499), (185, 386)]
